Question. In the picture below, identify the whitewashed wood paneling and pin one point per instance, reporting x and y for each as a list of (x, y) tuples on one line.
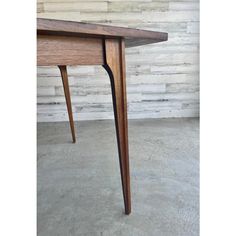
[(162, 79)]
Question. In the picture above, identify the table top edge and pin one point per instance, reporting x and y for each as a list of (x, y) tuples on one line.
[(62, 27)]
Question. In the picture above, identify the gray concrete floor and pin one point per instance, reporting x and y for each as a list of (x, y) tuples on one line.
[(79, 189)]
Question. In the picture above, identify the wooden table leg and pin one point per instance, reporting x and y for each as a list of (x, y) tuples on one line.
[(65, 82), (114, 50)]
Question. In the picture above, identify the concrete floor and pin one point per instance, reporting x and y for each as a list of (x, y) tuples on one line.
[(79, 189)]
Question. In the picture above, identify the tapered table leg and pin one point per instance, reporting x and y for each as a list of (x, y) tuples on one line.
[(65, 82), (115, 66)]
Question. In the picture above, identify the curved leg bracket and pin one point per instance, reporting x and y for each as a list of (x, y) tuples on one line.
[(115, 67)]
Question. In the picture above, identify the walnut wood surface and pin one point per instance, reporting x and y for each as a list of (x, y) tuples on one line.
[(115, 66), (62, 43), (133, 37), (63, 50), (65, 82)]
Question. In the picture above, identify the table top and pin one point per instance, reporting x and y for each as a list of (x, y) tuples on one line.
[(133, 37)]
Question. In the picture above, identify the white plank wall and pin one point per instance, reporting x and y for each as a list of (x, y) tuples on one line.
[(162, 79)]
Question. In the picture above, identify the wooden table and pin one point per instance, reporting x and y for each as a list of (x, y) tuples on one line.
[(62, 43)]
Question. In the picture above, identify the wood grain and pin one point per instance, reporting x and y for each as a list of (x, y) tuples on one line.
[(64, 50), (166, 64), (65, 43), (133, 37), (115, 67), (65, 82)]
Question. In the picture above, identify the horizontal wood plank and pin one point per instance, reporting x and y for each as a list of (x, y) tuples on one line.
[(135, 37), (62, 50)]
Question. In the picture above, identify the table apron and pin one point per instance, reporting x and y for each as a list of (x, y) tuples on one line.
[(55, 50)]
